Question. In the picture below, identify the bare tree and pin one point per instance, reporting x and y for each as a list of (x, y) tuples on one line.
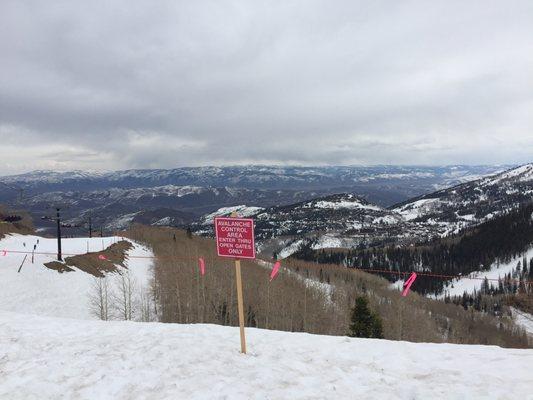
[(123, 300), (145, 305), (99, 298)]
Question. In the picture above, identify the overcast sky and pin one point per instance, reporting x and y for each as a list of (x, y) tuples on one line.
[(155, 84)]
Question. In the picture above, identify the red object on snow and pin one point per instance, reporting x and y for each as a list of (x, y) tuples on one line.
[(408, 283), (275, 270), (201, 265)]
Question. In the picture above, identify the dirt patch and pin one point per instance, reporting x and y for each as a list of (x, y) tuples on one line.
[(58, 266), (98, 263)]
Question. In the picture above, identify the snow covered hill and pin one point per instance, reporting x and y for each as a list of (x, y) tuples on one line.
[(39, 290), (51, 358), (474, 201), (346, 220), (50, 348), (496, 271), (341, 213)]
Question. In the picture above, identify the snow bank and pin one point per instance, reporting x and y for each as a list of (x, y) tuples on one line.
[(51, 358), (42, 291)]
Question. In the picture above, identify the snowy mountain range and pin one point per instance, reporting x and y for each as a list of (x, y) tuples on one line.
[(347, 220), (286, 201), (257, 177), (383, 185), (179, 196)]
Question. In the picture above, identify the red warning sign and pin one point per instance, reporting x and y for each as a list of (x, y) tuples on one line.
[(235, 237)]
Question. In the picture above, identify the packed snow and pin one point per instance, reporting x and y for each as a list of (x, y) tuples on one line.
[(50, 358), (39, 290)]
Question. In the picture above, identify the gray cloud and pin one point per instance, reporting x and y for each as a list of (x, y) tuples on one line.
[(163, 84)]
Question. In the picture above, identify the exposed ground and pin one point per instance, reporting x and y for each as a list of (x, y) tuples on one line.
[(98, 263)]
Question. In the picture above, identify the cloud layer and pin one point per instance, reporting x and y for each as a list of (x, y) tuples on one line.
[(109, 85)]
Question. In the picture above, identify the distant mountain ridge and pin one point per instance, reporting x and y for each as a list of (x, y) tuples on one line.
[(116, 199), (347, 220), (258, 177)]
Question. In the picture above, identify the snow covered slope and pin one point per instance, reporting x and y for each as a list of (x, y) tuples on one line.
[(51, 358), (473, 201), (344, 214), (242, 210), (42, 291), (496, 271)]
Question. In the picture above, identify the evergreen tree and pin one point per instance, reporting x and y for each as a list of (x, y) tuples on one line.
[(365, 323), (377, 327)]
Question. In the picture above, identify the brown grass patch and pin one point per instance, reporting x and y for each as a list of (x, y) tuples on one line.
[(91, 262), (58, 266)]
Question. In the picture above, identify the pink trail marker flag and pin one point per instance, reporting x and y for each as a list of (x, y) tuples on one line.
[(275, 270), (201, 265), (408, 283)]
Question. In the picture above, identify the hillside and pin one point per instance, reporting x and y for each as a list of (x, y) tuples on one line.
[(36, 288), (50, 358), (178, 196), (195, 353), (493, 248), (473, 201), (342, 214), (305, 297), (349, 221)]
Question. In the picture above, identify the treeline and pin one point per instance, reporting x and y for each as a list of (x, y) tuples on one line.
[(498, 240), (304, 297), (183, 295)]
